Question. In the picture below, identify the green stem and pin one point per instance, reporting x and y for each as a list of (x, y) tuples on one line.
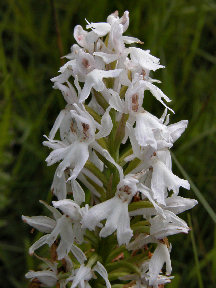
[(119, 135), (196, 258), (195, 189)]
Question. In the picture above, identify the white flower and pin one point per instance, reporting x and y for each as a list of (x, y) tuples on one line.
[(142, 280), (149, 130), (146, 125), (49, 277), (164, 226), (60, 225), (161, 227), (163, 179), (151, 269), (74, 156), (115, 27), (95, 80), (68, 92), (84, 273), (140, 152), (77, 132), (85, 39), (144, 59), (115, 210), (81, 277), (101, 29), (161, 255), (75, 213), (175, 204)]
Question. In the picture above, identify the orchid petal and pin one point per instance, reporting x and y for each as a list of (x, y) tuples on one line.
[(38, 244), (124, 232), (96, 214), (177, 129), (41, 223), (78, 193), (161, 255), (56, 214), (162, 227), (100, 269), (131, 40), (106, 125), (80, 35), (107, 58), (82, 274), (78, 253), (144, 59), (94, 79), (101, 28), (46, 277), (106, 154), (59, 186), (116, 102), (163, 178), (178, 204), (69, 208)]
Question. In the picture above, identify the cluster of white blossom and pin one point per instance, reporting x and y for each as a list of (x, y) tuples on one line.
[(114, 175)]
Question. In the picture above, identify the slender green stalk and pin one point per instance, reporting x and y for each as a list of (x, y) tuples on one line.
[(199, 195), (196, 257)]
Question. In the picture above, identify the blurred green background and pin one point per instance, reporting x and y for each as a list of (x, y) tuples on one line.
[(183, 34)]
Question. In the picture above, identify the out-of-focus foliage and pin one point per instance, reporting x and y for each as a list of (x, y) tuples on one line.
[(183, 34)]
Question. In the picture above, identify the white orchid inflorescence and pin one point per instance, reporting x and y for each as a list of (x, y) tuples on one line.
[(116, 197)]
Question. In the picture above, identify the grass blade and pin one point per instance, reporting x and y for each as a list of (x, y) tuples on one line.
[(195, 190), (196, 258)]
